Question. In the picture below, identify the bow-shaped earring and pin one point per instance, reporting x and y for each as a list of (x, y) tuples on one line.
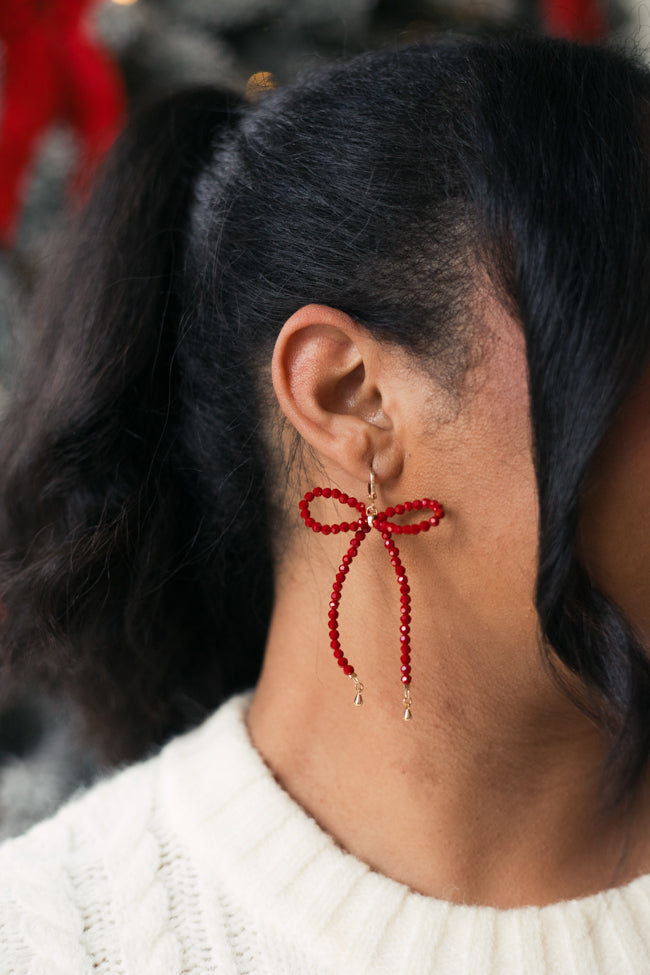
[(369, 518)]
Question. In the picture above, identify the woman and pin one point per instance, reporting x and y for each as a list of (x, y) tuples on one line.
[(427, 268)]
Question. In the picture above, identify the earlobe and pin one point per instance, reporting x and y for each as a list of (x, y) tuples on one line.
[(325, 377)]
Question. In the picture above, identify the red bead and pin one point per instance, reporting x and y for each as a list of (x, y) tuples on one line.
[(424, 526), (352, 502), (327, 492), (405, 639), (386, 537), (405, 618), (359, 536), (399, 509), (405, 658), (406, 669), (387, 543), (318, 492), (346, 559), (336, 493), (333, 613), (345, 526), (303, 504), (389, 512), (347, 670), (310, 522), (398, 529), (342, 661), (406, 678), (309, 496), (335, 529), (317, 527), (402, 579), (405, 589), (335, 645), (405, 628), (433, 520), (326, 529), (408, 506), (338, 653), (417, 505), (343, 569), (336, 587), (334, 604), (340, 576)]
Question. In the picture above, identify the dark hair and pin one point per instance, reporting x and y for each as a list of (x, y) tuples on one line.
[(136, 494)]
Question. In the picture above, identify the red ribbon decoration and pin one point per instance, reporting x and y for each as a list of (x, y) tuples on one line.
[(380, 520), (54, 71)]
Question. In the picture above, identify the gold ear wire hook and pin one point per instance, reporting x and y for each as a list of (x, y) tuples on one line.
[(371, 507), (372, 494)]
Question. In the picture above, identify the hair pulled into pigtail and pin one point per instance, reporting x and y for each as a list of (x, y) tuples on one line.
[(133, 488), (108, 574)]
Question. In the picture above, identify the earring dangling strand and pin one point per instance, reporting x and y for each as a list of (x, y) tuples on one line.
[(368, 517)]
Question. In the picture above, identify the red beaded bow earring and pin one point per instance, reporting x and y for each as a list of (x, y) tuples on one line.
[(368, 519)]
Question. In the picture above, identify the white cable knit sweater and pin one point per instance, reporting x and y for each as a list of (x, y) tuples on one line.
[(198, 862)]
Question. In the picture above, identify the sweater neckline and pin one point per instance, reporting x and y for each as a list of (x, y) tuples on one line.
[(239, 824)]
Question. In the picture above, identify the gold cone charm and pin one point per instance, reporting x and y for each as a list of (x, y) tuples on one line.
[(407, 714), (358, 701), (407, 704), (358, 686)]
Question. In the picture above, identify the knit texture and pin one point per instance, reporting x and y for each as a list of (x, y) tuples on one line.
[(196, 861)]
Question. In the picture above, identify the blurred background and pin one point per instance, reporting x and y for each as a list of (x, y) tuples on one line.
[(71, 71)]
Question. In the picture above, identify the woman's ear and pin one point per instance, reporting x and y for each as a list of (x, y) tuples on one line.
[(327, 376)]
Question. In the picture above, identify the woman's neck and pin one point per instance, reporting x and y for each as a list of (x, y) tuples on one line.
[(490, 795)]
